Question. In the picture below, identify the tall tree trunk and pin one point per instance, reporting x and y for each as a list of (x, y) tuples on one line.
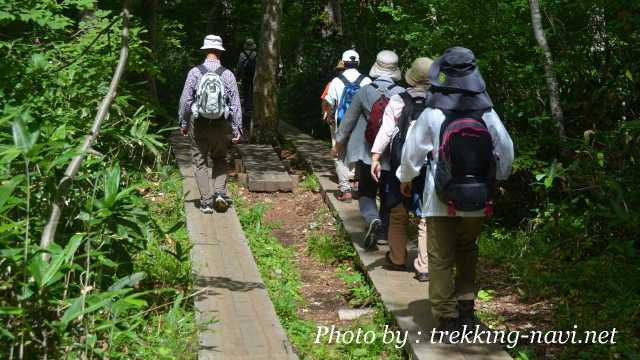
[(151, 7), (333, 24), (304, 23), (218, 19), (337, 15), (550, 75), (265, 83)]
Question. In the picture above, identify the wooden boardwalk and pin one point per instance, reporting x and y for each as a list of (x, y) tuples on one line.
[(246, 325), (402, 295), (265, 172)]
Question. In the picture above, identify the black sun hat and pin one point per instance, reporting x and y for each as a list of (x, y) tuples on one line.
[(456, 83)]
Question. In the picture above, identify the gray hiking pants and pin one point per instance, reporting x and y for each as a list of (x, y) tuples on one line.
[(368, 190), (210, 138), (342, 171)]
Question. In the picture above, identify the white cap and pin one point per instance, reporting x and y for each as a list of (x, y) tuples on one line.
[(350, 56), (212, 42)]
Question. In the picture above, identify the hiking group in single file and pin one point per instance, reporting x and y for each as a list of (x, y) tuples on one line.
[(434, 149)]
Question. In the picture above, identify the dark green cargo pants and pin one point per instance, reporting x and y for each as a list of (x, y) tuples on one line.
[(452, 243)]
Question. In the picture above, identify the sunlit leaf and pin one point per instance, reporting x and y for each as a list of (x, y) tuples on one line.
[(22, 138), (7, 189), (127, 281), (93, 302)]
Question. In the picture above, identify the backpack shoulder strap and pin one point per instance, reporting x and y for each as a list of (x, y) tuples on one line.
[(406, 98), (245, 59), (220, 70), (407, 111), (448, 118), (343, 79), (360, 79), (248, 57), (203, 69)]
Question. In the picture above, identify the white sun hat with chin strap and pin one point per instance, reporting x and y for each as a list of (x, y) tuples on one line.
[(212, 42)]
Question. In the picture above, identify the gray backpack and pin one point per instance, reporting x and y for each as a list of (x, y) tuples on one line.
[(211, 99)]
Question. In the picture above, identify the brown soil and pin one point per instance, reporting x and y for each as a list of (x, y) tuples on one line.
[(296, 215), (511, 310)]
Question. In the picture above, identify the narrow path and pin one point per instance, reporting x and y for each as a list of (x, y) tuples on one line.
[(402, 295), (233, 295)]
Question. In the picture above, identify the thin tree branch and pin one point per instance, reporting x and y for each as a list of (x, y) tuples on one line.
[(550, 75), (49, 231)]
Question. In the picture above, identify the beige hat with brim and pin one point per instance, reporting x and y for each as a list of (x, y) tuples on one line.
[(418, 74), (386, 65)]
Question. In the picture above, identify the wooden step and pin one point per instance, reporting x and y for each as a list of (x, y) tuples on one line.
[(264, 170)]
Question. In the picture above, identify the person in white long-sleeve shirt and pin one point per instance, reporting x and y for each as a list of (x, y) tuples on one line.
[(351, 61), (456, 86)]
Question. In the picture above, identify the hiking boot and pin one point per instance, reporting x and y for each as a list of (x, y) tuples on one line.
[(442, 332), (220, 204), (422, 276), (466, 316), (344, 196), (227, 199), (206, 206), (370, 239), (393, 266)]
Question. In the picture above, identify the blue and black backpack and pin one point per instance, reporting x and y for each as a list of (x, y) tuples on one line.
[(350, 89)]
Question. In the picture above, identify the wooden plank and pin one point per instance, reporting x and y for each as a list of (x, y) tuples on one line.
[(232, 291), (265, 172), (403, 296)]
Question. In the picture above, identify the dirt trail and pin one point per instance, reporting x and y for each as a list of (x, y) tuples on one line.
[(298, 215)]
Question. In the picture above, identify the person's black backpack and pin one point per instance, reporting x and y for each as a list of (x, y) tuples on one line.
[(413, 107), (466, 169), (248, 65)]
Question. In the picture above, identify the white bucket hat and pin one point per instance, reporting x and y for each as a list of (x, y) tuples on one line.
[(350, 56), (386, 65), (212, 42)]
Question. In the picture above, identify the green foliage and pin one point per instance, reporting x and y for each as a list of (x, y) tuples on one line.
[(310, 183), (274, 260), (587, 290), (329, 247), (102, 293), (275, 263), (361, 293), (565, 226)]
